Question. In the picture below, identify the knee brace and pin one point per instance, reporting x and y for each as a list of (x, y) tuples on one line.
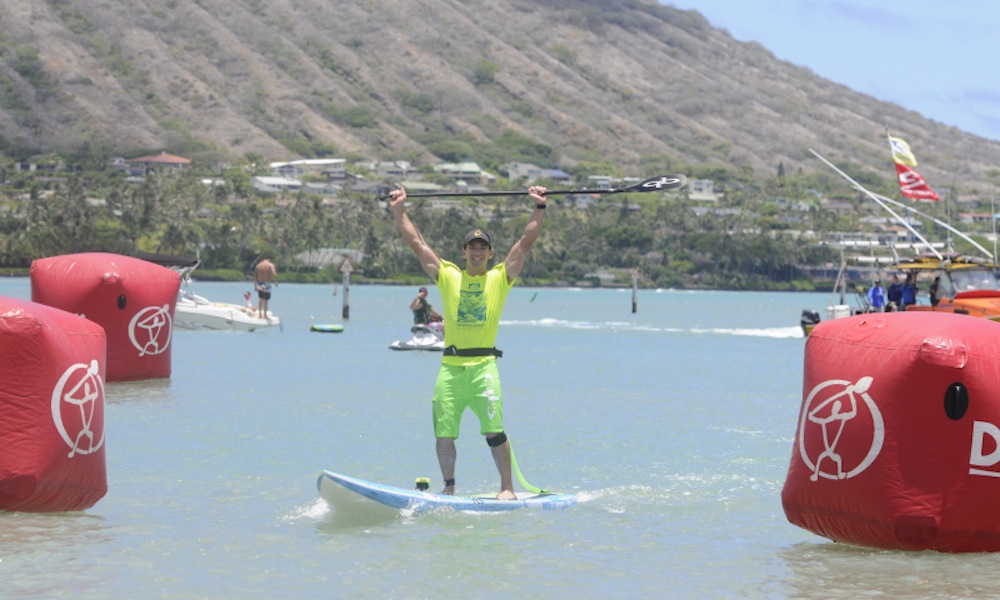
[(497, 440)]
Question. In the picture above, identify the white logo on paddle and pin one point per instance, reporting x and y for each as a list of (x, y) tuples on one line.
[(662, 182), (828, 412)]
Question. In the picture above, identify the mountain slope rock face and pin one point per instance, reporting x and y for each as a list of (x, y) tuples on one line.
[(630, 81)]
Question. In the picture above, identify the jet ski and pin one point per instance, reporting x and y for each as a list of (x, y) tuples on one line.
[(427, 336)]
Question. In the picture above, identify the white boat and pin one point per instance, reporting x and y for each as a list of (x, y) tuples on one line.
[(425, 337), (963, 284), (198, 313), (837, 309)]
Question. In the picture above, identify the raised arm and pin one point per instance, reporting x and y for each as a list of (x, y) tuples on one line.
[(429, 259), (519, 251)]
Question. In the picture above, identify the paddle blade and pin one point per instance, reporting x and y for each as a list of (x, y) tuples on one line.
[(657, 184)]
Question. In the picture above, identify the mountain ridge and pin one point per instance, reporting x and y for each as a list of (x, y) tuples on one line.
[(632, 83)]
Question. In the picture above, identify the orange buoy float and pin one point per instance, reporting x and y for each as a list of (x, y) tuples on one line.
[(898, 440), (52, 402), (134, 300)]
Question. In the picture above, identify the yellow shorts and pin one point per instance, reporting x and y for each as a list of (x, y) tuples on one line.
[(476, 387)]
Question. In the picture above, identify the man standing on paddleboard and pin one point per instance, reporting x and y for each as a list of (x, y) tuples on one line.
[(473, 300)]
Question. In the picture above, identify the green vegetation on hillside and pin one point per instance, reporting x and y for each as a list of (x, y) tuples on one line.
[(758, 235)]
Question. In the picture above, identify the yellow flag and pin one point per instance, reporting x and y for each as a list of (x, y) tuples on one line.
[(901, 152)]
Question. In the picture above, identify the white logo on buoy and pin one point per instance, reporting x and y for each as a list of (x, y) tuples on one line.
[(79, 388), (980, 430), (150, 330), (828, 414)]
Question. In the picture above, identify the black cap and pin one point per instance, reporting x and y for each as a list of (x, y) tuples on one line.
[(424, 290), (478, 234)]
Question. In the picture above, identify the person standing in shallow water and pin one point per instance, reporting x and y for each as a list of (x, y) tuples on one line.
[(473, 300)]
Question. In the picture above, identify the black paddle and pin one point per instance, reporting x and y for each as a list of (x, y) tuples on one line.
[(653, 184)]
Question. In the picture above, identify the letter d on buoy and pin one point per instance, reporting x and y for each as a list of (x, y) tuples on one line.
[(980, 429)]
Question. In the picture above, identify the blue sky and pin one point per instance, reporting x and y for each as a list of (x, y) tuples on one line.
[(937, 57)]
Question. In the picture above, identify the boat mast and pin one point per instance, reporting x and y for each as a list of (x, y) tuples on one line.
[(993, 208), (879, 200), (948, 227)]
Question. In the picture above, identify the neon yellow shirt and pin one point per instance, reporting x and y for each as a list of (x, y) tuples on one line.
[(472, 308)]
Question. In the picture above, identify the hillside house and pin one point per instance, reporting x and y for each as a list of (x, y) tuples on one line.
[(598, 181), (330, 168), (321, 188), (526, 172), (837, 206), (467, 172), (397, 170), (529, 173), (275, 185), (970, 218), (557, 175), (703, 190), (145, 165), (417, 187)]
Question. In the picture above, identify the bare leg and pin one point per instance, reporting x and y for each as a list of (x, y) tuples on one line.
[(447, 454), (501, 456)]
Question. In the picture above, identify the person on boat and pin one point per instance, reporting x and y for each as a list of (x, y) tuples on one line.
[(933, 291), (473, 298), (894, 295), (265, 275), (909, 292), (876, 296), (423, 312)]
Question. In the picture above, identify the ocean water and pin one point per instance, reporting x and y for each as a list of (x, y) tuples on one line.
[(673, 425)]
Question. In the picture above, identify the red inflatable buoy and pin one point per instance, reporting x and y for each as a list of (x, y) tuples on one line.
[(898, 440), (134, 300), (52, 407)]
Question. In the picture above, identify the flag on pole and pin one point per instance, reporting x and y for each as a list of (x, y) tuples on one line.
[(901, 153), (912, 185)]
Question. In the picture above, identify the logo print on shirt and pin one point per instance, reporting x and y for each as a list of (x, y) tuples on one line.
[(471, 309)]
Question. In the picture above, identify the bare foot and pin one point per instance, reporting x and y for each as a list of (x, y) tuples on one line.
[(506, 495), (449, 490)]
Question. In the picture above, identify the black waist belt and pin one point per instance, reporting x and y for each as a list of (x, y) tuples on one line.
[(453, 351)]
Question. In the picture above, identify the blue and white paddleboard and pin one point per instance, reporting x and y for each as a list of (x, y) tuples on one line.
[(331, 486)]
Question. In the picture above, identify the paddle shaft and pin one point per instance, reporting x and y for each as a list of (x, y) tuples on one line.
[(520, 193), (659, 183)]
